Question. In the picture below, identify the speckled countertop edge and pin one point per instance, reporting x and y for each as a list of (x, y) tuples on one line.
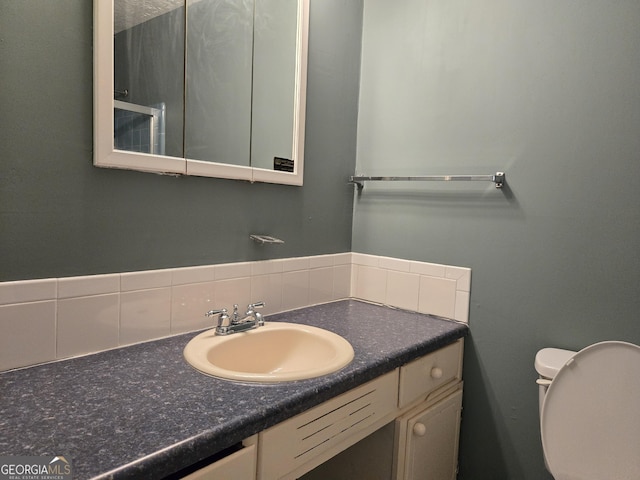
[(142, 412)]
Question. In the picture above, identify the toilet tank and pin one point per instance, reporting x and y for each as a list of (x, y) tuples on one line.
[(548, 361)]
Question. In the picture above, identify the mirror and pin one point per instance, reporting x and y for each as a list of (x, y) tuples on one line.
[(208, 87)]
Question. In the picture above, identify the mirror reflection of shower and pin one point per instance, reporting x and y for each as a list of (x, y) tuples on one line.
[(148, 69), (138, 128)]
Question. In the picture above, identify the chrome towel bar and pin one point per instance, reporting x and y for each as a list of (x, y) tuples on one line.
[(498, 178)]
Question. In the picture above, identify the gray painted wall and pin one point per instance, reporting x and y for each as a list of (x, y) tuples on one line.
[(60, 216), (548, 92)]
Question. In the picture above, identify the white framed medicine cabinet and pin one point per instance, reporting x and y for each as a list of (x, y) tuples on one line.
[(237, 105)]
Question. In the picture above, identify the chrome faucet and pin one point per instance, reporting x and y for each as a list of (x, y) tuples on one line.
[(233, 324)]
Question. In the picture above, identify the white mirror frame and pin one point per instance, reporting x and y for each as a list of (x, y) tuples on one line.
[(103, 104)]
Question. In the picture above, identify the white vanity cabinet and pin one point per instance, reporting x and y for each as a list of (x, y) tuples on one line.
[(426, 439), (400, 426)]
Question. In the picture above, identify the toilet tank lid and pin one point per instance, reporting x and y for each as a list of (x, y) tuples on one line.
[(550, 360)]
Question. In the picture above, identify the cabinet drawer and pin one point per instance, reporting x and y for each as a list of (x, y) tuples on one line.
[(240, 465), (423, 376), (301, 443)]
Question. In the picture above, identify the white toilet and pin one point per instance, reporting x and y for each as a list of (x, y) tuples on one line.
[(590, 411)]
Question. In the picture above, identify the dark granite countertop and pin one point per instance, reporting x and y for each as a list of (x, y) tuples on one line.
[(143, 412)]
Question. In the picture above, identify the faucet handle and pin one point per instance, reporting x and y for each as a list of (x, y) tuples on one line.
[(222, 318), (253, 306), (251, 310), (213, 313)]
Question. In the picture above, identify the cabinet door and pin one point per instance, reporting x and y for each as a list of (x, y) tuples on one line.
[(428, 447)]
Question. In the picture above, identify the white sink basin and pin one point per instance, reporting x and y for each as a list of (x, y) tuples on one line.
[(275, 352)]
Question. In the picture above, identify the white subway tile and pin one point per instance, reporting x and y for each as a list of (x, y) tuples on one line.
[(295, 289), (228, 271), (354, 280), (266, 267), (87, 324), (365, 260), (189, 303), (395, 264), (461, 275), (88, 285), (188, 275), (403, 290), (343, 258), (437, 296), (371, 283), (236, 291), (295, 264), (462, 306), (145, 315), (268, 289), (320, 261), (430, 269), (131, 281), (28, 291), (320, 285), (341, 281), (28, 334)]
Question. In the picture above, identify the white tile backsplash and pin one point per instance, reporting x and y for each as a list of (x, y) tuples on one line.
[(267, 289), (462, 306), (188, 275), (403, 290), (364, 259), (233, 291), (341, 281), (28, 291), (320, 285), (189, 303), (295, 289), (48, 319), (462, 276), (87, 324), (233, 270), (145, 315), (437, 296), (395, 264), (28, 334), (131, 281), (295, 264), (265, 267), (342, 259), (370, 283), (429, 269), (90, 285), (321, 261)]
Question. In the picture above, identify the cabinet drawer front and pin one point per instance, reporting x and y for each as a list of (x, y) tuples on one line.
[(240, 465), (300, 439), (423, 376)]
